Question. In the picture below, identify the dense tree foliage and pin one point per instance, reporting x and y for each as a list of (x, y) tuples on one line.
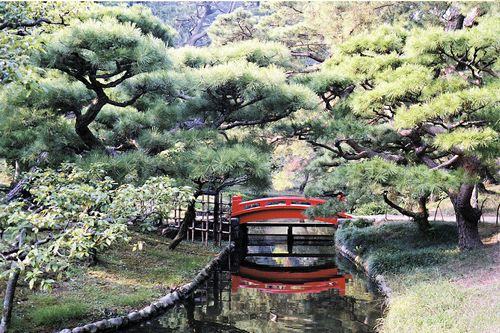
[(414, 97), (393, 104), (21, 24)]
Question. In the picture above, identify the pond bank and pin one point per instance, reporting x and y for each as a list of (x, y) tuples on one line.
[(431, 285), (121, 282)]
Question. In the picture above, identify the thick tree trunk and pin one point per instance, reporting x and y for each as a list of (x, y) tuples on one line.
[(88, 138), (467, 218), (188, 219), (421, 218)]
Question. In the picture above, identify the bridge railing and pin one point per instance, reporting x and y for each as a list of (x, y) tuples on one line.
[(239, 206)]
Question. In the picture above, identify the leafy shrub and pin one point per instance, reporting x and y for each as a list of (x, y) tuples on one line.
[(358, 223)]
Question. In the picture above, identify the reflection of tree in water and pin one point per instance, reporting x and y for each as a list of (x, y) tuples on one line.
[(204, 326), (215, 309)]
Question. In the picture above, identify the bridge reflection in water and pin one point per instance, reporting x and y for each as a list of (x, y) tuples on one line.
[(274, 287)]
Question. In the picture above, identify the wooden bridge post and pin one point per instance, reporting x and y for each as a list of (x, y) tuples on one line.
[(289, 239), (217, 228)]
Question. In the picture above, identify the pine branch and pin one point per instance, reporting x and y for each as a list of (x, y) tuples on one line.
[(30, 23), (397, 207), (448, 163), (127, 103), (308, 54)]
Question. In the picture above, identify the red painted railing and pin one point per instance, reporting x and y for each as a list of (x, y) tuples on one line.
[(289, 282), (277, 208)]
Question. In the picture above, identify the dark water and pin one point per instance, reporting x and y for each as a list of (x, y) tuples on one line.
[(279, 285)]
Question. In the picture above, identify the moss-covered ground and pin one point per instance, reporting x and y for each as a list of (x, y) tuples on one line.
[(435, 287)]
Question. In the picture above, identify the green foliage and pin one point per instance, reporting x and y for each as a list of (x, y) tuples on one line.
[(229, 166), (468, 139), (67, 216), (72, 214), (385, 39), (140, 16), (148, 204), (93, 47), (23, 22), (357, 223), (262, 54)]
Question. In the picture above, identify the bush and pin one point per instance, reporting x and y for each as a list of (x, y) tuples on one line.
[(358, 223), (397, 246)]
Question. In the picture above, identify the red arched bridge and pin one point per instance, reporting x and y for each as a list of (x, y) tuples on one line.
[(265, 209)]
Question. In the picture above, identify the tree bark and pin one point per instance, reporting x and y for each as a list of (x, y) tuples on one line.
[(188, 218), (420, 217), (467, 218), (304, 183), (88, 138), (8, 301)]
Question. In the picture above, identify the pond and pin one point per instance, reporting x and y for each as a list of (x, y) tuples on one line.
[(278, 284)]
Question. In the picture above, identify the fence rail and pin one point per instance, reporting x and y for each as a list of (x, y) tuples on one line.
[(212, 222)]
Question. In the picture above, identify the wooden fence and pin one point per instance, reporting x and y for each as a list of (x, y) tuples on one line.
[(213, 219)]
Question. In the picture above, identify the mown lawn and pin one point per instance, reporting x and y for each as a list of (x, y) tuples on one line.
[(436, 287), (122, 280)]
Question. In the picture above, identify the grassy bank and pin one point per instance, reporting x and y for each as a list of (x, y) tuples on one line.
[(436, 288), (122, 281)]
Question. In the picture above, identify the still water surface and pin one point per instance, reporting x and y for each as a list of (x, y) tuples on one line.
[(278, 286)]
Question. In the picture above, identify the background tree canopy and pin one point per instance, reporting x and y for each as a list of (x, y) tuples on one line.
[(393, 104), (112, 114)]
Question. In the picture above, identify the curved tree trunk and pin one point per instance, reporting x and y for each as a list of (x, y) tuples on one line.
[(420, 217), (188, 219), (88, 138), (467, 218)]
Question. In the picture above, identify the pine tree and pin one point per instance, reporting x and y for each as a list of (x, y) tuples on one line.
[(415, 97)]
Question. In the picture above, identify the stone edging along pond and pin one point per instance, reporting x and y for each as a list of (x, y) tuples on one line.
[(155, 308), (358, 261)]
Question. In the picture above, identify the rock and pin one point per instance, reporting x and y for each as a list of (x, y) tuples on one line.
[(78, 330), (148, 311), (92, 328), (101, 324), (115, 322), (134, 316), (66, 330)]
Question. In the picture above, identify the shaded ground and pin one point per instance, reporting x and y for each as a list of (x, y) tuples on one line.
[(436, 288), (122, 281)]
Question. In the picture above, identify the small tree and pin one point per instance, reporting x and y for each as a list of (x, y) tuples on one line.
[(69, 216), (213, 169), (63, 221)]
